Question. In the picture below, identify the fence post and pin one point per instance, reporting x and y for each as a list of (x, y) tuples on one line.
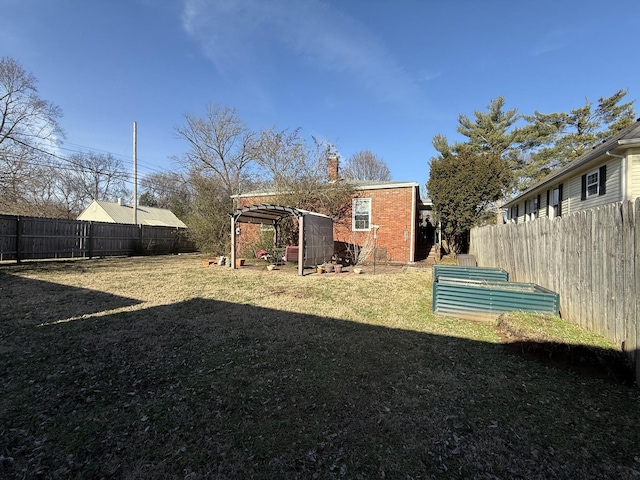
[(90, 240), (18, 239)]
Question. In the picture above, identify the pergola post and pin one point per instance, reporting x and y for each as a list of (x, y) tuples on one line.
[(301, 245), (233, 241)]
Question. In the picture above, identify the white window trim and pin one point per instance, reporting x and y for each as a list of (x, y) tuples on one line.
[(531, 205), (354, 202), (596, 183), (555, 202)]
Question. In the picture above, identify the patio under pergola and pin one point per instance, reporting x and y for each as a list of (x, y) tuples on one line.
[(315, 231)]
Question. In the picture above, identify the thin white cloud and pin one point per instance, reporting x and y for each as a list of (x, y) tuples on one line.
[(238, 36), (554, 40)]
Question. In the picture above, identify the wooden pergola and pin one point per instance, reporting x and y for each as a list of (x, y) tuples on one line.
[(314, 230)]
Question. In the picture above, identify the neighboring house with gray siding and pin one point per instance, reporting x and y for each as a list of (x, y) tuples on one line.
[(608, 173)]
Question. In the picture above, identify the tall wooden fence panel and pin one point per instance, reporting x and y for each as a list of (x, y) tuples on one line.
[(591, 258), (24, 238)]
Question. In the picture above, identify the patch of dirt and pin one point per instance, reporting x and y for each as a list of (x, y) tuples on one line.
[(583, 360)]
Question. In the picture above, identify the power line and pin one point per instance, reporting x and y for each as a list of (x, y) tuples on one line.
[(78, 167)]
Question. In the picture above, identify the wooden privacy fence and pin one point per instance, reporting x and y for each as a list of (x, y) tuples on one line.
[(23, 238), (590, 258)]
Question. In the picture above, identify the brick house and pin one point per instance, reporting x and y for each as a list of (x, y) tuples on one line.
[(389, 215)]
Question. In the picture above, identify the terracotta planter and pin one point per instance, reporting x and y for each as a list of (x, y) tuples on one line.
[(319, 271), (239, 262), (328, 268), (337, 268)]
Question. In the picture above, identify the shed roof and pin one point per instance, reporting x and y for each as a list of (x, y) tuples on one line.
[(114, 212)]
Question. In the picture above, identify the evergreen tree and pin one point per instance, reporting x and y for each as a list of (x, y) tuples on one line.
[(555, 139), (463, 185)]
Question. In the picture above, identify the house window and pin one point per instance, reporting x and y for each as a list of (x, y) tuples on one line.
[(556, 202), (514, 214), (594, 183), (361, 216), (531, 208)]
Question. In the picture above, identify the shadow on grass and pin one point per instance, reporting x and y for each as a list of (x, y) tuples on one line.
[(210, 389), (25, 301)]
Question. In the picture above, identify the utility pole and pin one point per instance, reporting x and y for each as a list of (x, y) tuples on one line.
[(135, 173)]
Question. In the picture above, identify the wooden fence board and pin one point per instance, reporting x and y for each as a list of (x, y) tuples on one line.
[(591, 258), (636, 268), (628, 283), (23, 238)]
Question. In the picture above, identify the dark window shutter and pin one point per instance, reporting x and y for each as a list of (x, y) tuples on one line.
[(583, 194), (547, 209), (602, 178), (560, 200), (538, 206)]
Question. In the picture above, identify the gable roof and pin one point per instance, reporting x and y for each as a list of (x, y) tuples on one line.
[(113, 212), (624, 138)]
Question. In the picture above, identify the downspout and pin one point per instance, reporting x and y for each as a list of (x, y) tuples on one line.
[(412, 246), (623, 178)]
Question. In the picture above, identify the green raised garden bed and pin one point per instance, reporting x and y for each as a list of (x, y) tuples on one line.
[(473, 298)]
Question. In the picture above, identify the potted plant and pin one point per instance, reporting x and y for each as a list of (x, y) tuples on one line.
[(337, 268)]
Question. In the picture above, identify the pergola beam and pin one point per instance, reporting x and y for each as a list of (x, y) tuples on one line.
[(270, 214)]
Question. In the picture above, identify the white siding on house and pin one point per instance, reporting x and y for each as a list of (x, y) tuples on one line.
[(573, 189), (634, 172), (543, 204)]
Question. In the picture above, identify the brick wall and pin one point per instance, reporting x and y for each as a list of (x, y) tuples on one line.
[(391, 209)]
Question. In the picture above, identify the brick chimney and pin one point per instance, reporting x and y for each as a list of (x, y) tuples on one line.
[(333, 163)]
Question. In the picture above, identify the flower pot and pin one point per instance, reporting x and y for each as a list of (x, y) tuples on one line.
[(328, 268), (337, 268), (357, 270), (270, 267), (239, 262), (319, 270)]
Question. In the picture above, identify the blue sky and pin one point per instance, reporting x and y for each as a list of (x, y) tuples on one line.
[(376, 75)]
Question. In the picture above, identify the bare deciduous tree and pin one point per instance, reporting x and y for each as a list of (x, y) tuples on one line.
[(28, 126), (221, 146), (168, 190), (25, 118), (95, 176), (283, 157), (365, 165)]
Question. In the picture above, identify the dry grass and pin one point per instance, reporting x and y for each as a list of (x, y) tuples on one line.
[(162, 368)]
